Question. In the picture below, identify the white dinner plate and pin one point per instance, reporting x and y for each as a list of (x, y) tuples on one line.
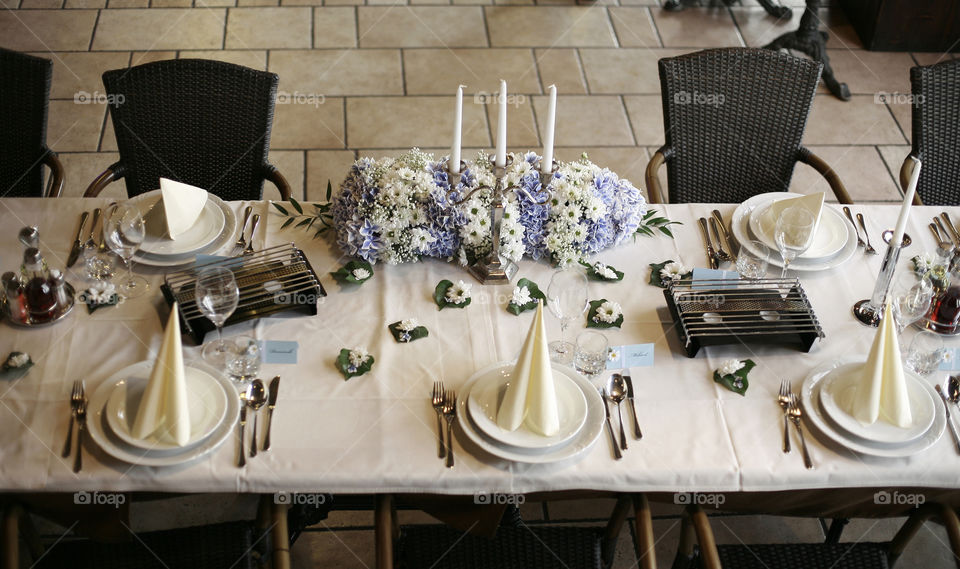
[(206, 229), (226, 236), (206, 404), (810, 395), (839, 386), (832, 232), (102, 435), (483, 402), (741, 230), (581, 443)]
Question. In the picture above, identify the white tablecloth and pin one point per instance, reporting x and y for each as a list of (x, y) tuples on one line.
[(376, 433)]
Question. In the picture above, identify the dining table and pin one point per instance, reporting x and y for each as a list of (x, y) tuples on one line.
[(376, 433)]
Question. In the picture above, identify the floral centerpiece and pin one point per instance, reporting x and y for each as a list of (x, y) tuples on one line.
[(398, 210)]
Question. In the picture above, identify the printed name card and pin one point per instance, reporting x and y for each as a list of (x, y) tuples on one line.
[(279, 352), (634, 355)]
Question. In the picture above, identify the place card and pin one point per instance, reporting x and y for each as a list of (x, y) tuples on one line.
[(714, 275), (633, 355), (204, 259), (279, 352), (951, 361)]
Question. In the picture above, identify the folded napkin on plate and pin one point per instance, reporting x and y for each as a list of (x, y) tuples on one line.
[(163, 407), (182, 205), (881, 387), (812, 202), (531, 396)]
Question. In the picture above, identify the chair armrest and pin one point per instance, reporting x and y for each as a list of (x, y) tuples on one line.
[(55, 187), (111, 174), (271, 173), (654, 192), (906, 169), (827, 172)]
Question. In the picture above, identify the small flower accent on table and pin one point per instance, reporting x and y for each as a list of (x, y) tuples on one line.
[(16, 365), (662, 274), (525, 297), (407, 330), (604, 313), (601, 272), (100, 295), (355, 272), (447, 294), (732, 374), (354, 362)]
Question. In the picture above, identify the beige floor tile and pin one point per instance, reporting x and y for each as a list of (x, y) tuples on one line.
[(554, 26), (339, 72), (521, 129), (44, 30), (639, 3), (560, 67), (291, 165), (215, 3), (74, 127), (254, 28), (931, 58), (242, 3), (646, 117), (893, 157), (700, 27), (252, 58), (171, 3), (386, 2), (634, 27), (303, 2), (439, 71), (472, 2), (342, 2), (82, 168), (587, 121), (413, 26), (378, 122), (141, 57), (341, 549), (335, 27), (861, 169), (76, 71), (128, 3), (74, 4), (857, 121), (615, 71), (903, 113), (151, 29), (513, 2), (302, 126), (41, 4), (327, 166), (872, 72), (429, 2)]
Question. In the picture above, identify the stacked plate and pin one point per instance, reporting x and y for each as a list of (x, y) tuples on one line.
[(580, 410), (834, 243), (213, 229), (826, 390), (213, 406)]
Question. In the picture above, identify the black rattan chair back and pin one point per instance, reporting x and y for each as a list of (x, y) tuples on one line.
[(24, 91), (936, 131), (734, 119), (204, 123)]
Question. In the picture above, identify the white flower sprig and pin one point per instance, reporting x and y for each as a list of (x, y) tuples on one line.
[(459, 293), (521, 295), (674, 271), (730, 367), (732, 374), (354, 361), (608, 312), (361, 274)]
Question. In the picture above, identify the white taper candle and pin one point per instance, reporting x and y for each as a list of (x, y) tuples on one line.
[(907, 203), (501, 157), (547, 165), (454, 165)]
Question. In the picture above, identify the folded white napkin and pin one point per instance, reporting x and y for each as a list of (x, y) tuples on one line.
[(882, 388), (163, 407), (812, 202), (531, 396), (182, 205)]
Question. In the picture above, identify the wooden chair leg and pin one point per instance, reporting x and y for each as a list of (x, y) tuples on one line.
[(695, 528), (608, 546), (645, 539), (9, 538), (384, 530), (916, 520)]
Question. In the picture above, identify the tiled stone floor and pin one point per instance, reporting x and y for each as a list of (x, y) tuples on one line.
[(377, 76)]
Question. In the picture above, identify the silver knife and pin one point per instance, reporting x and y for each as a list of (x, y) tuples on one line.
[(274, 390), (711, 254), (633, 405), (946, 405), (613, 438), (731, 242), (951, 227), (77, 246), (253, 231)]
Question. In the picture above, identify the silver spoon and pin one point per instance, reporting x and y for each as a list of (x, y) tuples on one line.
[(256, 397), (617, 391)]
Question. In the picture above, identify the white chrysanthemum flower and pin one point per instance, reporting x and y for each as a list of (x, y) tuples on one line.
[(360, 274), (673, 271), (358, 357), (608, 312), (101, 292), (408, 324), (458, 293), (924, 262), (18, 359), (420, 239), (613, 354), (406, 174), (730, 367), (604, 271), (521, 295)]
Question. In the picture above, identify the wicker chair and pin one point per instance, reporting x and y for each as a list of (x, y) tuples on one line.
[(734, 119), (936, 114), (24, 93), (205, 123)]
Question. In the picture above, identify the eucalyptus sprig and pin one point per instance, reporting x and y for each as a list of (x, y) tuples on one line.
[(651, 222), (320, 216)]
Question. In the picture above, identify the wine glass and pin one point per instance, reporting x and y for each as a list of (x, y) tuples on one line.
[(912, 296), (567, 300), (123, 232), (794, 234), (217, 297), (750, 265)]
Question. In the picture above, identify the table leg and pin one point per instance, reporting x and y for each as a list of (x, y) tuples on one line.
[(384, 521)]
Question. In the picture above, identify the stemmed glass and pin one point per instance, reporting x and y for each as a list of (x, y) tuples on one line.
[(912, 295), (217, 297), (123, 232), (793, 234), (567, 300)]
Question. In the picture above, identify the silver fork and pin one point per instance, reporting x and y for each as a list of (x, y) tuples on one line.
[(81, 423), (870, 250), (241, 243), (783, 398), (795, 415), (450, 413), (75, 400), (721, 252), (437, 401)]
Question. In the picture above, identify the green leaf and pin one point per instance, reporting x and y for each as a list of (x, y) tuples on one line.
[(287, 222), (667, 231), (535, 295), (305, 221), (282, 209), (415, 334), (296, 205), (343, 364), (329, 190), (345, 273), (592, 323), (736, 382)]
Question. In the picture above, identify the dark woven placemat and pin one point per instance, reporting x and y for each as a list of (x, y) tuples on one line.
[(441, 547), (804, 556), (219, 546)]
